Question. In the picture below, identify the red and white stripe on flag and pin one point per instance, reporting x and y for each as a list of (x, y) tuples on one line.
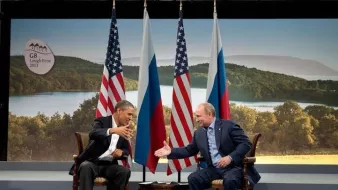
[(112, 85), (181, 119), (181, 122)]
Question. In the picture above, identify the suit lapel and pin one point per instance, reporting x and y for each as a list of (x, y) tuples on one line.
[(110, 121), (218, 132), (110, 125), (205, 139)]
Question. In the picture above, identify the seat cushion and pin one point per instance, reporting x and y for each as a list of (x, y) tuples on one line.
[(100, 181)]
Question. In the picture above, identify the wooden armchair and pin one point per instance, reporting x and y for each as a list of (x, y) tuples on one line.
[(82, 140), (249, 159)]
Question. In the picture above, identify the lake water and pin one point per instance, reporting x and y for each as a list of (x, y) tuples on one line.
[(52, 102)]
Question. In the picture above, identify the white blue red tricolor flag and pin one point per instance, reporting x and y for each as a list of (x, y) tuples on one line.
[(217, 87), (150, 121)]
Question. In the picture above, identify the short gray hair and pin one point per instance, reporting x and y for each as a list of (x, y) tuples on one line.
[(123, 104), (208, 108)]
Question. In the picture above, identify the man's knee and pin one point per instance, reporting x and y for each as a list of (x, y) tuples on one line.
[(193, 177), (86, 169), (120, 171), (86, 165), (126, 172), (231, 182)]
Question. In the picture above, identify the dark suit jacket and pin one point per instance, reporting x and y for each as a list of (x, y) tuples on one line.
[(99, 142), (230, 140)]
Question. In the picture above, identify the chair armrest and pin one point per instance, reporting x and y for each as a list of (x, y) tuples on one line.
[(124, 157), (200, 158), (249, 160), (75, 157)]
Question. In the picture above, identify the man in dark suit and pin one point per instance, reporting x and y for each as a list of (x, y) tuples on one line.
[(222, 143), (108, 140)]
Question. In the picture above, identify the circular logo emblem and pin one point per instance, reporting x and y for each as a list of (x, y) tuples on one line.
[(38, 56)]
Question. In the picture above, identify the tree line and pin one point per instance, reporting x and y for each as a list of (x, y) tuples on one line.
[(247, 84), (288, 130), (67, 74)]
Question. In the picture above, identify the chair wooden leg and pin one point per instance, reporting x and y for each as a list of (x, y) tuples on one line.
[(75, 186), (75, 178), (75, 183)]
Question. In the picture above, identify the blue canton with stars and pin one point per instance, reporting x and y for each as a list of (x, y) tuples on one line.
[(113, 59), (181, 61)]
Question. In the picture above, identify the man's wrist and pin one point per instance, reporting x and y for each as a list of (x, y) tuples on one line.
[(111, 131)]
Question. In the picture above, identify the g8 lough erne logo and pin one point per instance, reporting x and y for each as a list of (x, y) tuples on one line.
[(38, 56)]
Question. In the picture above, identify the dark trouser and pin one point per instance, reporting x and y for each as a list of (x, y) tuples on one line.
[(117, 175), (201, 179)]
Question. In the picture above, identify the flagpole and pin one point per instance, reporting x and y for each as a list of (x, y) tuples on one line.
[(144, 167), (215, 11), (179, 172)]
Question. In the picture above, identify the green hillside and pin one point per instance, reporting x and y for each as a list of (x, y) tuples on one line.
[(247, 84), (250, 84), (67, 74)]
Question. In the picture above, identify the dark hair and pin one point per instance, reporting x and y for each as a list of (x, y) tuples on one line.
[(123, 104)]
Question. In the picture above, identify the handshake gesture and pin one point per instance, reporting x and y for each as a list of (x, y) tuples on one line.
[(164, 151), (123, 131)]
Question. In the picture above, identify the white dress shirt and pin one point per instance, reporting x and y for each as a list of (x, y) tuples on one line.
[(113, 142)]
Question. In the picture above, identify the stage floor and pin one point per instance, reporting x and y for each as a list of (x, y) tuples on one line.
[(162, 176), (59, 180), (54, 176)]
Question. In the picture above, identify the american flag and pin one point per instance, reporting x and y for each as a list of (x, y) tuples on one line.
[(181, 130), (112, 85)]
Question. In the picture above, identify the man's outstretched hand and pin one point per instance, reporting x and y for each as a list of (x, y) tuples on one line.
[(164, 151), (123, 131)]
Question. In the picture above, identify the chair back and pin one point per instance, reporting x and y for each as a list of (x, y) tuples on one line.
[(254, 140), (82, 140)]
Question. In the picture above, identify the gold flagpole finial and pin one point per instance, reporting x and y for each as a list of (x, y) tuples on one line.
[(145, 3), (180, 5), (215, 6), (113, 4)]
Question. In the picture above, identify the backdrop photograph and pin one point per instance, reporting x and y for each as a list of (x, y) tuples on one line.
[(282, 76)]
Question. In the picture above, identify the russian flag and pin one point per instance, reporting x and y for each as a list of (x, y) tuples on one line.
[(217, 87), (150, 121)]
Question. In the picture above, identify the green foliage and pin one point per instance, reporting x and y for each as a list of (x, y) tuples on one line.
[(68, 74), (288, 130), (247, 84), (250, 84)]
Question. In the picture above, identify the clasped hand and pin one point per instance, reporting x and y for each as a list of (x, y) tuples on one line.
[(117, 153), (223, 162)]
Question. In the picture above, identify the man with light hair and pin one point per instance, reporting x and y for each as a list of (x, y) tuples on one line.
[(222, 143)]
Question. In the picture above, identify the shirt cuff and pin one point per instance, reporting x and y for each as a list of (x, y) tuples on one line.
[(230, 157), (108, 132)]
